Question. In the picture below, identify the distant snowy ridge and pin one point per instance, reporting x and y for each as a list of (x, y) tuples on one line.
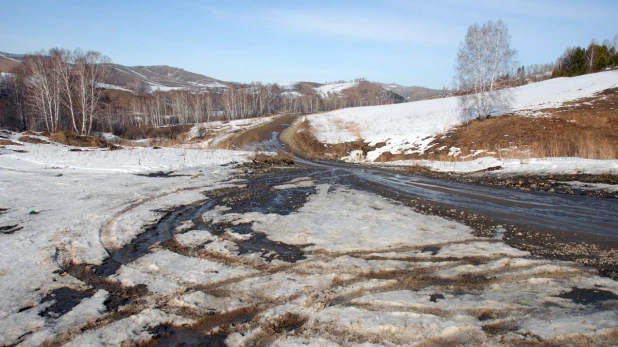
[(2, 56), (335, 88)]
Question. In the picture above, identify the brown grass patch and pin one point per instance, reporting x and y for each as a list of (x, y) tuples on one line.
[(33, 140), (5, 142), (300, 137), (585, 128), (279, 159), (71, 139)]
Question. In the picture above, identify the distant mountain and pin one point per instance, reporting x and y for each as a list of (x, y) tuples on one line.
[(163, 78), (166, 78)]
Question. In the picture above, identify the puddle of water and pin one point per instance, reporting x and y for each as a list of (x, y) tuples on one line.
[(433, 250), (161, 174), (65, 300), (169, 336), (588, 296)]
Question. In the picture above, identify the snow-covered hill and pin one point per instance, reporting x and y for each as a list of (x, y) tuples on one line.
[(410, 127)]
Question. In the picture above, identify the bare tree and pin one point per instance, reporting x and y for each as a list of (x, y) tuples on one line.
[(591, 55), (89, 70), (483, 58), (61, 60), (15, 88), (44, 90)]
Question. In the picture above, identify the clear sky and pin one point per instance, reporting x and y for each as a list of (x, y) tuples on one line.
[(401, 41)]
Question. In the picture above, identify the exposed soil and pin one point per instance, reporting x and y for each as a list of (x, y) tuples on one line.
[(33, 140), (71, 139), (5, 142), (583, 128)]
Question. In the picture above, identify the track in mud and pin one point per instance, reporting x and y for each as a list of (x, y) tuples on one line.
[(257, 290)]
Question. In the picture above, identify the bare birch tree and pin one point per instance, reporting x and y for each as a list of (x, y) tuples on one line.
[(44, 90), (483, 58), (89, 70)]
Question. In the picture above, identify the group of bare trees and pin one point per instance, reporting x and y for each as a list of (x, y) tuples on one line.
[(62, 90), (57, 91)]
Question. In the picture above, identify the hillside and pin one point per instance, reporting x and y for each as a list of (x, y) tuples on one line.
[(411, 93), (162, 78), (410, 130)]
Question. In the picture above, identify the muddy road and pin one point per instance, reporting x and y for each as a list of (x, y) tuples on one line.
[(574, 217)]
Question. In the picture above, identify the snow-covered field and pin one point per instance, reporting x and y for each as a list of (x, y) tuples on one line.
[(411, 127), (61, 199), (374, 271)]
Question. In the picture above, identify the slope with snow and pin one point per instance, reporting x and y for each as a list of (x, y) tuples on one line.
[(411, 127), (334, 89)]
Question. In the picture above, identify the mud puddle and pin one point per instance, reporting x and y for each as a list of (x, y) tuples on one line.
[(169, 336), (588, 296), (161, 174), (65, 299), (10, 229)]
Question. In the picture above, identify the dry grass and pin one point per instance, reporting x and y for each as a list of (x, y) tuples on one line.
[(71, 139), (33, 140), (279, 159), (585, 129), (5, 142)]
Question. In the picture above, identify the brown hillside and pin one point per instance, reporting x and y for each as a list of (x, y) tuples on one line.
[(7, 65), (585, 128), (364, 90)]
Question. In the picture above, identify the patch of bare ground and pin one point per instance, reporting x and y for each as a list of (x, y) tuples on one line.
[(71, 139), (584, 128), (300, 138), (33, 140), (5, 142)]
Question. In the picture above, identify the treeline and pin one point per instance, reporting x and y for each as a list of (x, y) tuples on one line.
[(55, 91), (63, 90), (596, 57)]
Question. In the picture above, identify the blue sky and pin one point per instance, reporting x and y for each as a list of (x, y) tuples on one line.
[(401, 41)]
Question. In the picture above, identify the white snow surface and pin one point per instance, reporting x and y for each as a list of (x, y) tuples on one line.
[(334, 89), (410, 127), (114, 87), (68, 201)]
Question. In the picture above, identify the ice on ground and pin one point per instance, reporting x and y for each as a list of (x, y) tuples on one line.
[(411, 127)]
